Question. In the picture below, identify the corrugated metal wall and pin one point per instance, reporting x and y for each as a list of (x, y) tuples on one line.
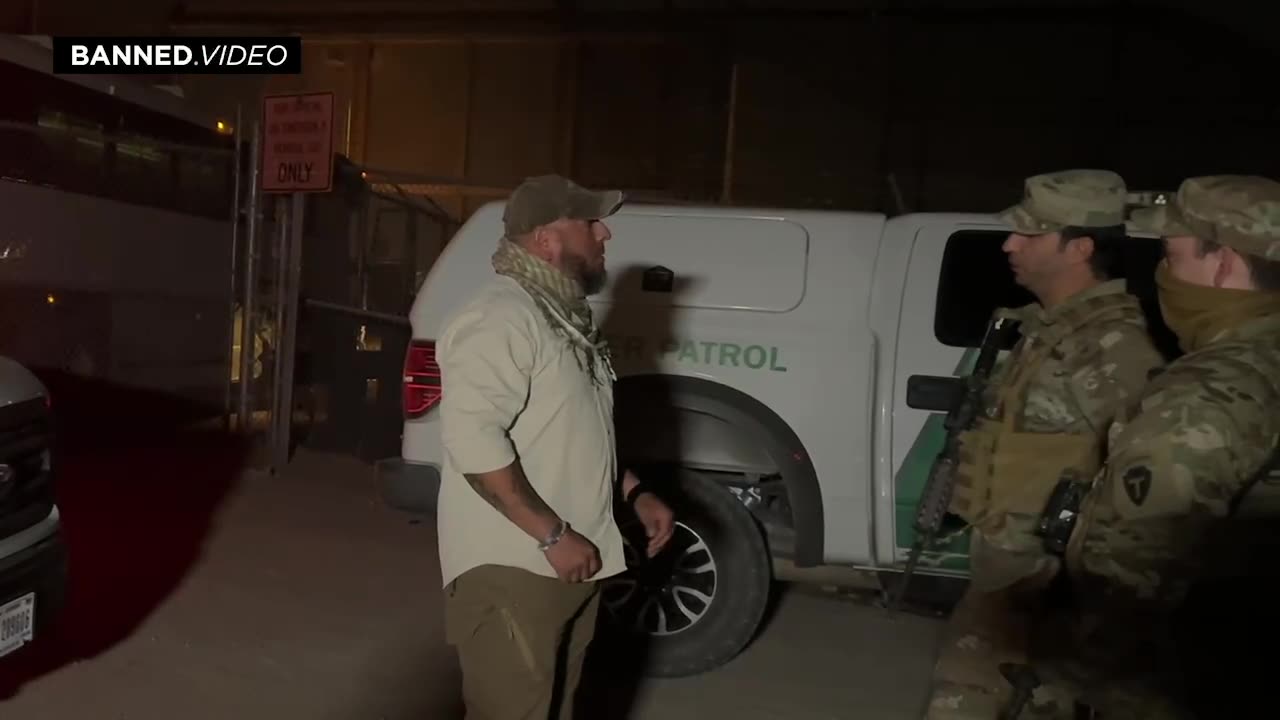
[(640, 114), (955, 110)]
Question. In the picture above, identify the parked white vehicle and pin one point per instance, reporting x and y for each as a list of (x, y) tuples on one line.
[(763, 359), (33, 572)]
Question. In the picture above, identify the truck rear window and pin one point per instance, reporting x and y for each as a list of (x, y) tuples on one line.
[(975, 279)]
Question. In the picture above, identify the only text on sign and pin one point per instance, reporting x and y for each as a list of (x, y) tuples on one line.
[(297, 143)]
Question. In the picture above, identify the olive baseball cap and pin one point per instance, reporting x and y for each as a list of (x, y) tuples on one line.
[(1081, 197), (1241, 212), (546, 198)]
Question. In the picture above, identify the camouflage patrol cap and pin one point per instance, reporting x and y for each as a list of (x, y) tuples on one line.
[(546, 198), (1081, 197), (1241, 212)]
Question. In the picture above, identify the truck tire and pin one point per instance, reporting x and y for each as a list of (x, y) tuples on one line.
[(699, 603)]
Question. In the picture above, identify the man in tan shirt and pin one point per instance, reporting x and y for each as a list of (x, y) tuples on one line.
[(526, 516)]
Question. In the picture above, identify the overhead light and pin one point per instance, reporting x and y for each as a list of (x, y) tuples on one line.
[(224, 127)]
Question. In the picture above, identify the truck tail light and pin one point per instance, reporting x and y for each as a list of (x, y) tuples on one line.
[(421, 378)]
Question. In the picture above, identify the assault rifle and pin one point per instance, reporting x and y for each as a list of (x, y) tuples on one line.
[(962, 399)]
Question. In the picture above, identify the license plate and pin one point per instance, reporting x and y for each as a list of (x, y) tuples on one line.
[(17, 623)]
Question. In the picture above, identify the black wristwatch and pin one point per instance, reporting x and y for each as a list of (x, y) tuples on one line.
[(635, 493)]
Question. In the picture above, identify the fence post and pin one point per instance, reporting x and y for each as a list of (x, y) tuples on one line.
[(287, 311), (231, 289), (248, 324)]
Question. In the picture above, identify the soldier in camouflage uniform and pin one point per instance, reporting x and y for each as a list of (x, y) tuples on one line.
[(1084, 350), (1182, 456)]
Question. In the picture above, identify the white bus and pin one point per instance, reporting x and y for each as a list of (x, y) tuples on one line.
[(115, 230)]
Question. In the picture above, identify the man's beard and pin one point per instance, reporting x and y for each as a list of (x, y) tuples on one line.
[(592, 280)]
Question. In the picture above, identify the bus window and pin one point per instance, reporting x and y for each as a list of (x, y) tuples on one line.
[(200, 183), (204, 184), (78, 151), (142, 173), (23, 153), (65, 135)]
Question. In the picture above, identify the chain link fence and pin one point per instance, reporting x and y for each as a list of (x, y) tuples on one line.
[(365, 252)]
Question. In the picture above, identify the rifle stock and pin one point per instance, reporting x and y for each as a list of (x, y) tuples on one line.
[(936, 498)]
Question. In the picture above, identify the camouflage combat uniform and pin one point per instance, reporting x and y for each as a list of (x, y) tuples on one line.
[(1180, 458), (1048, 406)]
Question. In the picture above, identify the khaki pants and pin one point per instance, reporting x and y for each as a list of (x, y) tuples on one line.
[(517, 633)]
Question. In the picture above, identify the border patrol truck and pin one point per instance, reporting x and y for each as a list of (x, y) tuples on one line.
[(763, 358)]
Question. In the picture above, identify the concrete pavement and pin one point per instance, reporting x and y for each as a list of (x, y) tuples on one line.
[(302, 596)]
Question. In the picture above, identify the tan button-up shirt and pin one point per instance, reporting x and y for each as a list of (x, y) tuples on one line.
[(513, 388)]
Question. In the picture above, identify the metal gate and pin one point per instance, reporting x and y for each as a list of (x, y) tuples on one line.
[(328, 280)]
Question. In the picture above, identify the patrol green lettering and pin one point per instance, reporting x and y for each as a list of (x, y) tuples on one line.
[(702, 352), (773, 360), (755, 357), (689, 351), (708, 348), (729, 354)]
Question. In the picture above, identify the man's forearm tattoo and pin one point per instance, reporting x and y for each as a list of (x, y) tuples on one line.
[(478, 484), (524, 495)]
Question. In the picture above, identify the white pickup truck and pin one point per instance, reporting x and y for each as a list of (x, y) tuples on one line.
[(763, 359)]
